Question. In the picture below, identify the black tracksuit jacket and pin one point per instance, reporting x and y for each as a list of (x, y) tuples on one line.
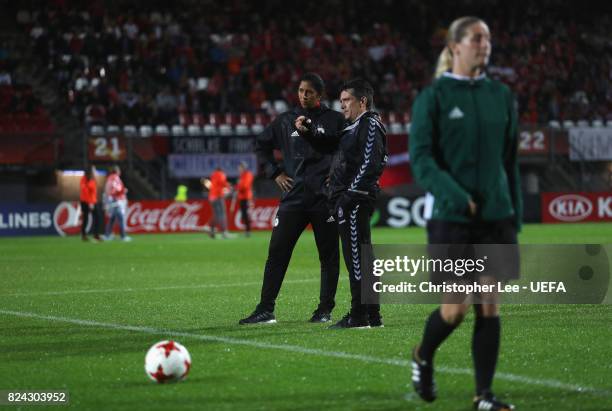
[(307, 163), (359, 159)]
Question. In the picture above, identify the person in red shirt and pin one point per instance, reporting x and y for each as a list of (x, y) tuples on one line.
[(217, 187), (116, 203), (89, 197), (244, 190)]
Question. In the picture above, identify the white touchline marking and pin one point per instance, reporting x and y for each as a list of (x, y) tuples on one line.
[(127, 290), (549, 383), (569, 308)]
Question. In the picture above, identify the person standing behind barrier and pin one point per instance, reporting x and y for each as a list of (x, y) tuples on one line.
[(244, 195), (218, 187), (89, 199), (463, 150), (181, 193), (115, 194)]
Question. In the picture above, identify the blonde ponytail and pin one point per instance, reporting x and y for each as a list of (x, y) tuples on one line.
[(456, 32), (445, 62)]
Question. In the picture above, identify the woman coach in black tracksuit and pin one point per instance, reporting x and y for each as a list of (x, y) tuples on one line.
[(301, 176), (463, 149)]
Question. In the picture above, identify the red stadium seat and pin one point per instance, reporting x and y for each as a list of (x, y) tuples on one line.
[(22, 119), (198, 119), (214, 119), (261, 118), (230, 119), (184, 119), (384, 118), (246, 119)]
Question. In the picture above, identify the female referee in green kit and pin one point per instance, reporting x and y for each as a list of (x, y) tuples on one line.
[(463, 149)]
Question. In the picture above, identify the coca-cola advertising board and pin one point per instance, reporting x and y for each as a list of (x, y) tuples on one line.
[(193, 216), (576, 207), (142, 217)]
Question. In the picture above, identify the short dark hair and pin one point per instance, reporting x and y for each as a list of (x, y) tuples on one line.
[(315, 81), (360, 88)]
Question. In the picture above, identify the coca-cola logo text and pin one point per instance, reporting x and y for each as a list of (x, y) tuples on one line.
[(67, 218), (261, 217), (173, 217)]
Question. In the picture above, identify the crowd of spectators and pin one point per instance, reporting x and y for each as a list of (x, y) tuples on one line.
[(120, 63), (20, 109)]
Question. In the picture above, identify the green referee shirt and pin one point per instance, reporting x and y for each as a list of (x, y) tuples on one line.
[(463, 144)]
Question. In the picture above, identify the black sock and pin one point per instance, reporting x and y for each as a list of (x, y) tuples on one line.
[(357, 308), (436, 331), (485, 349)]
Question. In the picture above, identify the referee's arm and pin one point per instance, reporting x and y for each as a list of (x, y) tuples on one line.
[(426, 170), (511, 161)]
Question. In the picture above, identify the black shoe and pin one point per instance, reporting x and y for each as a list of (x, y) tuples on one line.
[(320, 316), (488, 402), (350, 321), (376, 320), (422, 378), (259, 317), (210, 230)]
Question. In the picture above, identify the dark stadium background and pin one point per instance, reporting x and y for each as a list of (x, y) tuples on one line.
[(169, 89)]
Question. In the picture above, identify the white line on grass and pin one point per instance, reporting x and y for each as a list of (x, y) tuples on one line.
[(127, 290), (549, 383)]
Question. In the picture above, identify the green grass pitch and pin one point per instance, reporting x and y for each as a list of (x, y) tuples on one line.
[(80, 317)]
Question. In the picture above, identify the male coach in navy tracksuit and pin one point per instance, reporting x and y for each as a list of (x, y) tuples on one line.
[(353, 187), (302, 176)]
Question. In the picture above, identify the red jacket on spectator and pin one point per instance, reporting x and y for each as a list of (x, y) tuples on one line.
[(89, 191), (218, 183), (245, 186), (115, 190)]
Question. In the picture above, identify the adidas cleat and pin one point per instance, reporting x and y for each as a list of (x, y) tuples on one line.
[(422, 378), (488, 402), (349, 321), (320, 316), (259, 317)]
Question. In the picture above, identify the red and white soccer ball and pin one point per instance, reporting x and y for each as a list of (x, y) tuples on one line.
[(167, 361)]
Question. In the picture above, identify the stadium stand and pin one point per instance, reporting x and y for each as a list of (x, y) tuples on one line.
[(21, 112), (118, 64), (207, 69)]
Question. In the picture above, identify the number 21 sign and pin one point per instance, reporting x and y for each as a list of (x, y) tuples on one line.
[(106, 149)]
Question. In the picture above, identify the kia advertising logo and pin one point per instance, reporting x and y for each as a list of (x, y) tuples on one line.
[(570, 208), (67, 218)]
